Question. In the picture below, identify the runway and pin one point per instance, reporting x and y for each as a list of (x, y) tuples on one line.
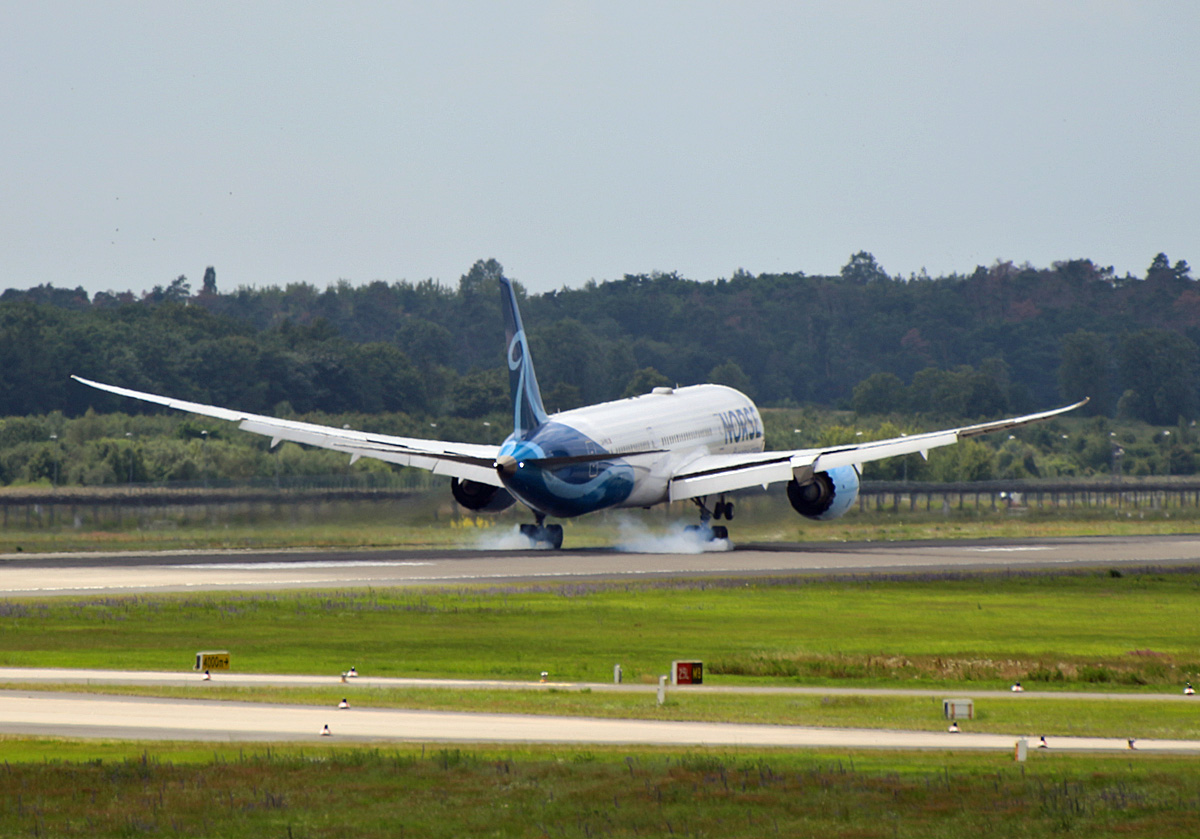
[(73, 574), (136, 718)]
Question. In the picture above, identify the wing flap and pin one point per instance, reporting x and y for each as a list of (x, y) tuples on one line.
[(724, 473), (879, 449)]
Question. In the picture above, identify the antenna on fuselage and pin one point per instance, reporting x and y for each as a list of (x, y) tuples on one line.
[(528, 411)]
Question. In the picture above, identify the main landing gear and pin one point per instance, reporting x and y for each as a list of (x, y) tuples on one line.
[(712, 532), (542, 535), (723, 510)]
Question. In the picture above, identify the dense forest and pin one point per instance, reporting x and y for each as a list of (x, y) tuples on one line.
[(421, 359), (1004, 338)]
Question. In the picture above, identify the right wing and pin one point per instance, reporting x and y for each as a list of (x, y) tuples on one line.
[(716, 473), (465, 461)]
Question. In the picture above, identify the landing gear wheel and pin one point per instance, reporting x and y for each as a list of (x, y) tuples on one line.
[(543, 535), (728, 511), (719, 510), (704, 533)]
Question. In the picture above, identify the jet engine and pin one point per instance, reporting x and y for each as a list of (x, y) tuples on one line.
[(829, 495), (481, 498)]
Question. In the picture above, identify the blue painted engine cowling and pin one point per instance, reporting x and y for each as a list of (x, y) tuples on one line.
[(480, 498), (829, 495)]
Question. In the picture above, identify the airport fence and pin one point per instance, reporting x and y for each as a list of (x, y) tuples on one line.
[(182, 503), (136, 505), (1026, 495)]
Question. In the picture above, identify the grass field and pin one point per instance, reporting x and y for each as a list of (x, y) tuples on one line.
[(942, 631), (58, 789), (1107, 628), (1122, 630), (432, 520)]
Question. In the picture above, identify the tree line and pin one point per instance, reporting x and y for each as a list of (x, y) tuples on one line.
[(999, 339)]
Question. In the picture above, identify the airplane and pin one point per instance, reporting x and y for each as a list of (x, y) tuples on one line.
[(674, 443)]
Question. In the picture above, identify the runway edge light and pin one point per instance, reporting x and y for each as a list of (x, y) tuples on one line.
[(212, 660)]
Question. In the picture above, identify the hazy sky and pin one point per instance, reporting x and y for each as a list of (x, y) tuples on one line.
[(312, 142)]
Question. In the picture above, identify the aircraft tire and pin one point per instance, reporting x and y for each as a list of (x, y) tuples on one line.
[(720, 531), (551, 535)]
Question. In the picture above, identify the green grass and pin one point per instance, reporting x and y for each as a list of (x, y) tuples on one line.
[(233, 537), (50, 788), (1051, 631), (1135, 631), (433, 520)]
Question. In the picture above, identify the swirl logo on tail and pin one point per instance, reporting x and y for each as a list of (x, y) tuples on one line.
[(528, 411)]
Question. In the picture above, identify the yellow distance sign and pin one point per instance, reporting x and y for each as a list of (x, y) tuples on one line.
[(212, 660)]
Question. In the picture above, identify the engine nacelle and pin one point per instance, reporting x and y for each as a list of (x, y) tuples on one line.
[(829, 495), (480, 498)]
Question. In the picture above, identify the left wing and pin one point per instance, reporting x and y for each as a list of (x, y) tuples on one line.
[(717, 473), (466, 461)]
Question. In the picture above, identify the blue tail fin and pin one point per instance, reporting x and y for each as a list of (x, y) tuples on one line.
[(528, 412)]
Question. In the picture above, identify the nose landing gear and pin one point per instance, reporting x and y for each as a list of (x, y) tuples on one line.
[(542, 535)]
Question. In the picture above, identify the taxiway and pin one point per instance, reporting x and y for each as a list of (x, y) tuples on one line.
[(33, 713)]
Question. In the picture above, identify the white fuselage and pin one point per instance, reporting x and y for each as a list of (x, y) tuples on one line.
[(684, 423)]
